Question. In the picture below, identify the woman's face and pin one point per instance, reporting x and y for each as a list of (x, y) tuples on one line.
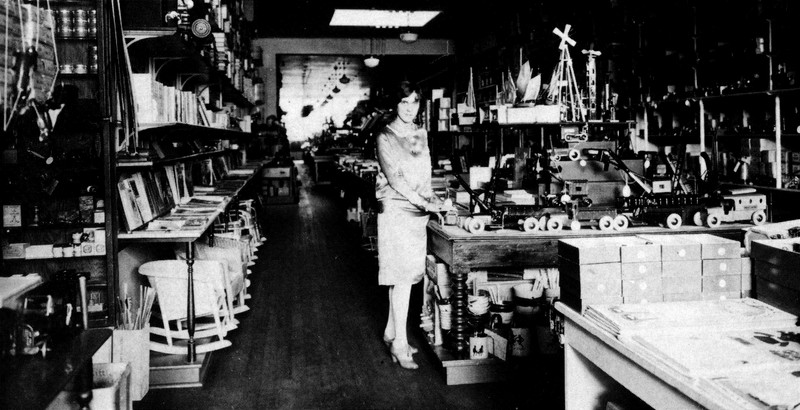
[(408, 108)]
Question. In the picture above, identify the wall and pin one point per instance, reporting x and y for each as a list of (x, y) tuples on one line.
[(335, 46)]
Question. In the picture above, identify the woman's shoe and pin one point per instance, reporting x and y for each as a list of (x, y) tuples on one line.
[(388, 343), (403, 358)]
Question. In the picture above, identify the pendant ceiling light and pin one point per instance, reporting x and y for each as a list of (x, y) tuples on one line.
[(336, 89), (371, 61), (345, 79)]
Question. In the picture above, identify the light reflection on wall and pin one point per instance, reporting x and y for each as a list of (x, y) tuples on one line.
[(316, 82)]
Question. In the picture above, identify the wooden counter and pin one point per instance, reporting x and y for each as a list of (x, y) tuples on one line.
[(463, 252)]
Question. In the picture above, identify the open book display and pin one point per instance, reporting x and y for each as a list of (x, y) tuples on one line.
[(165, 201), (741, 349)]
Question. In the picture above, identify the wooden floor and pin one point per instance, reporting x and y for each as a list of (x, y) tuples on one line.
[(312, 339)]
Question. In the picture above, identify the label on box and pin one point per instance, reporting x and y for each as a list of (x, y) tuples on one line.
[(713, 267), (640, 270), (715, 247), (722, 283), (645, 289)]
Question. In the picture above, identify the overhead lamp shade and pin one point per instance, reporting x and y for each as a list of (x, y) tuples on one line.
[(345, 79), (408, 37), (371, 61)]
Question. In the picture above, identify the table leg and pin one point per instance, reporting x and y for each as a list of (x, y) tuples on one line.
[(192, 352), (460, 327), (82, 385)]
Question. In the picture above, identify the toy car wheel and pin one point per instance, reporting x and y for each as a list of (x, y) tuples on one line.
[(697, 218), (758, 217), (606, 223), (466, 222), (530, 224), (554, 224), (674, 221), (476, 225), (575, 225), (621, 222), (543, 223), (713, 221)]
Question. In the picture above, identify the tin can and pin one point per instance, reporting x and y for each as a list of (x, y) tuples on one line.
[(63, 20), (92, 23), (93, 59), (81, 69), (80, 23), (66, 69)]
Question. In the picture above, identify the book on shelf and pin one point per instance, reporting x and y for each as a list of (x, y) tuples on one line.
[(165, 188), (130, 207), (142, 199)]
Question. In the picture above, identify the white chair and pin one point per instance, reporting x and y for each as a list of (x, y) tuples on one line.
[(169, 279), (234, 281)]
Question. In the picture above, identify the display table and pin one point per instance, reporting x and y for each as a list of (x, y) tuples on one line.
[(31, 382), (463, 252), (597, 364), (188, 370)]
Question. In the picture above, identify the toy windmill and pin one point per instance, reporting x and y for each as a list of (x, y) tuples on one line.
[(591, 81), (563, 89)]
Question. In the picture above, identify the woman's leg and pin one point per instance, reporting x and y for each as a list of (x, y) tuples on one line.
[(389, 332), (399, 301)]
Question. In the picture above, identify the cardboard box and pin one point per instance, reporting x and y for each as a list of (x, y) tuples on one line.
[(715, 267), (682, 297), (722, 283), (627, 249), (599, 288), (640, 270), (779, 296), (594, 273), (579, 305), (721, 295), (715, 247), (692, 268), (675, 247), (642, 290), (786, 276), (499, 347), (15, 250), (681, 284), (547, 114)]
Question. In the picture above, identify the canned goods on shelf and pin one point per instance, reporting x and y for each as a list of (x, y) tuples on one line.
[(66, 69), (81, 69)]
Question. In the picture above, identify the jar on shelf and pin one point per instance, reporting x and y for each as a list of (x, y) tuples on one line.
[(64, 23), (93, 59)]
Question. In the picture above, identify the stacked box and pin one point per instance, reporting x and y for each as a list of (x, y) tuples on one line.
[(608, 271), (722, 266), (775, 263), (681, 267)]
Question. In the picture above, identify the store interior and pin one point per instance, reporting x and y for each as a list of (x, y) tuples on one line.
[(190, 217)]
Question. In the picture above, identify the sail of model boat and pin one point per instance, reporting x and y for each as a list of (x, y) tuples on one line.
[(470, 100), (523, 78), (532, 90), (509, 89)]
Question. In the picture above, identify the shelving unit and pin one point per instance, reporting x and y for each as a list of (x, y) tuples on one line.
[(760, 117), (59, 182)]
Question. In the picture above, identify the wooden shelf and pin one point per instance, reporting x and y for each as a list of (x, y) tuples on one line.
[(189, 131), (43, 227), (166, 161), (764, 93), (82, 257)]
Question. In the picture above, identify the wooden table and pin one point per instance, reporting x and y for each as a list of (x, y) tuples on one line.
[(596, 364), (32, 382), (463, 252)]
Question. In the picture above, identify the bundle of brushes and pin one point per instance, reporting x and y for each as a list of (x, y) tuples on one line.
[(138, 318)]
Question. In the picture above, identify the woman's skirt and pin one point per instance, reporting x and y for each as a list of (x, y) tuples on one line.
[(402, 244)]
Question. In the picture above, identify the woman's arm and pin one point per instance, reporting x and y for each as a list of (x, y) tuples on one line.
[(388, 158)]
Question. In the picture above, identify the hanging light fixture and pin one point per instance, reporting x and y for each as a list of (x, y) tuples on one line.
[(408, 36), (371, 61)]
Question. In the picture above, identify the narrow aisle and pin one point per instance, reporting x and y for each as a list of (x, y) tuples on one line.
[(312, 338)]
